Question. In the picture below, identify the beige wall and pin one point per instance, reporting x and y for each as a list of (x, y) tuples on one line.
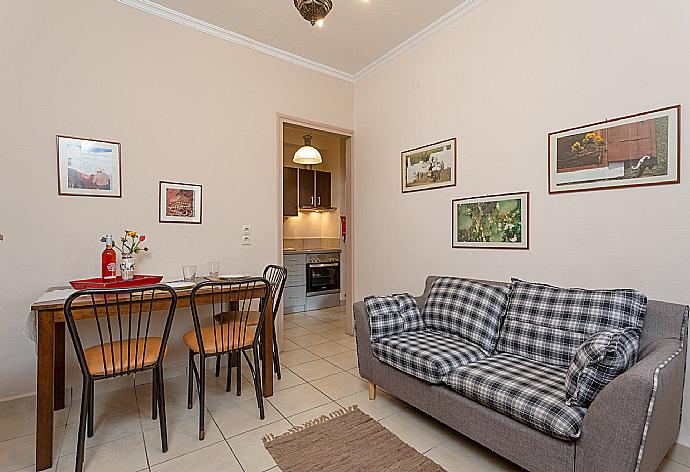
[(185, 106), (500, 80)]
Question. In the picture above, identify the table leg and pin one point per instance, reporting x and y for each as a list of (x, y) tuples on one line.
[(44, 394), (59, 376), (267, 360)]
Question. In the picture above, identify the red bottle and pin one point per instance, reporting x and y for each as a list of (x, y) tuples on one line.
[(108, 260)]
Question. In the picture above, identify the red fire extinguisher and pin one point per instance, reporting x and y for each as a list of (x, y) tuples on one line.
[(343, 227)]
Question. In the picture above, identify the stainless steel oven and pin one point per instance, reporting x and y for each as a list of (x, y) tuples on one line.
[(323, 274)]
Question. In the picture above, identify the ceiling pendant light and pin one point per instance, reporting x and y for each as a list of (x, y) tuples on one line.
[(314, 11), (307, 154)]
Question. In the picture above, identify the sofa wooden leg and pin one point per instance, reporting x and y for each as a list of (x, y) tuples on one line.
[(372, 391)]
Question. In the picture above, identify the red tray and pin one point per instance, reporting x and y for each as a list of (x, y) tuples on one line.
[(98, 282)]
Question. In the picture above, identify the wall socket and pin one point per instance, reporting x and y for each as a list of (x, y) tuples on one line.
[(246, 235)]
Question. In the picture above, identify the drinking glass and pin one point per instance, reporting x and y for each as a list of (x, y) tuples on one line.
[(213, 269), (189, 273)]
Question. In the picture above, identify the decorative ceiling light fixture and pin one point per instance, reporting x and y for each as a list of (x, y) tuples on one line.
[(314, 11), (307, 154)]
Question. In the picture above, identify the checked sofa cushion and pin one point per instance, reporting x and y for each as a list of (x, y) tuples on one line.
[(428, 355), (548, 324), (466, 308), (599, 360), (392, 315), (525, 390)]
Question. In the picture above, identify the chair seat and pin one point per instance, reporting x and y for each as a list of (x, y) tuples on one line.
[(428, 355), (234, 316), (526, 390), (223, 338), (123, 356)]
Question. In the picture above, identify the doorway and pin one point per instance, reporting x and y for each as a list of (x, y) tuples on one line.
[(315, 218)]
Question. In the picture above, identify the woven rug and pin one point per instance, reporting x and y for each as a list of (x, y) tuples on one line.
[(345, 441)]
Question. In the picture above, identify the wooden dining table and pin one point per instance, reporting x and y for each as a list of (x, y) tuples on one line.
[(50, 372)]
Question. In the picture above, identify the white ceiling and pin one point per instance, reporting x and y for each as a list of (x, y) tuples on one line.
[(356, 34)]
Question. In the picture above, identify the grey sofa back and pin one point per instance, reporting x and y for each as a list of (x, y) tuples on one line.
[(663, 320)]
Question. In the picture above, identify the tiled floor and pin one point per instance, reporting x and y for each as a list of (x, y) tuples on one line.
[(319, 376)]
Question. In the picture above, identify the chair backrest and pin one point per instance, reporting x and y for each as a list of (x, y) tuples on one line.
[(122, 318), (241, 297), (277, 276)]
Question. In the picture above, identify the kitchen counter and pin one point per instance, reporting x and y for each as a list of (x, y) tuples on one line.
[(311, 251)]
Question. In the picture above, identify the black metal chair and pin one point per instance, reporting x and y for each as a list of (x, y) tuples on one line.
[(277, 276), (122, 318), (232, 336)]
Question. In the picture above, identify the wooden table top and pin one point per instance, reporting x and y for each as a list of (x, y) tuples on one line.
[(182, 293)]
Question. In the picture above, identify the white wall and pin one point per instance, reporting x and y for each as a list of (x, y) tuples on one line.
[(185, 106), (500, 80)]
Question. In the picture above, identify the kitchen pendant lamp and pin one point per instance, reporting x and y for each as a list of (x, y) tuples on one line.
[(314, 11), (307, 154)]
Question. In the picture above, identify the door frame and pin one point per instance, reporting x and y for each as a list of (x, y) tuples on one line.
[(282, 119)]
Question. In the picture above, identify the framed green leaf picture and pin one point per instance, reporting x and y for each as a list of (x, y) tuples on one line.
[(492, 222)]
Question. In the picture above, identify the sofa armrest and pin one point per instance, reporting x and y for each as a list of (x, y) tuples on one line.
[(365, 356), (633, 422)]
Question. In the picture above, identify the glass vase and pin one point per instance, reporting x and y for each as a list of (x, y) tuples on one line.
[(127, 268)]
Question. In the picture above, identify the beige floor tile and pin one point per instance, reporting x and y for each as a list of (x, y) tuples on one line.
[(215, 458), (23, 422), (175, 410), (323, 410), (416, 429), (288, 379), (292, 333), (250, 450), (384, 405), (106, 428), (337, 334), (124, 455), (22, 405), (310, 340), (680, 454), (106, 403), (242, 417), (297, 357), (317, 369), (288, 345), (328, 349), (464, 455), (671, 466), (21, 452), (340, 385), (350, 342), (297, 399), (346, 360), (355, 372), (183, 438), (308, 322)]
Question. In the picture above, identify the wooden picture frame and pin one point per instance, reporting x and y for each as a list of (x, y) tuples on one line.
[(470, 230), (435, 166), (88, 167), (630, 151), (180, 202)]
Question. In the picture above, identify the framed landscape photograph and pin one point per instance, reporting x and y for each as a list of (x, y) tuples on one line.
[(179, 203), (492, 222), (636, 150), (429, 167), (89, 168)]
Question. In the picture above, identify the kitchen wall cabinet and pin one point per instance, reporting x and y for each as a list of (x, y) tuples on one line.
[(290, 200), (305, 188), (307, 197), (323, 189)]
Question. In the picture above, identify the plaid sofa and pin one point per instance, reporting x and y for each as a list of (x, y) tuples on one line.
[(493, 394)]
